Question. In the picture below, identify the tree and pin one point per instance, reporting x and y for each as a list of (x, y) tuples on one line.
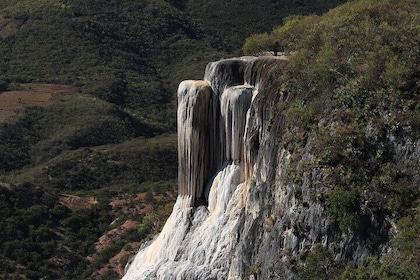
[(260, 43)]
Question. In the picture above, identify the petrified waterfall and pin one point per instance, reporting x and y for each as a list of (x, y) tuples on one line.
[(201, 237), (194, 130), (211, 126)]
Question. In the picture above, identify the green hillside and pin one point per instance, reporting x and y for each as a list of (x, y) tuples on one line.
[(128, 52), (122, 54), (81, 164)]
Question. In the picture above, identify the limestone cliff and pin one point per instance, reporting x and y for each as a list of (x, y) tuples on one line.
[(249, 207)]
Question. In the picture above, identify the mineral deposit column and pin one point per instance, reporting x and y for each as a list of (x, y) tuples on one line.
[(194, 129), (235, 103)]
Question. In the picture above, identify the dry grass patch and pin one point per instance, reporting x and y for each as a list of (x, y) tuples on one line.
[(74, 202), (31, 94)]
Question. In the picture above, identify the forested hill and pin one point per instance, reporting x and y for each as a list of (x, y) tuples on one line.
[(120, 51), (131, 53), (87, 114)]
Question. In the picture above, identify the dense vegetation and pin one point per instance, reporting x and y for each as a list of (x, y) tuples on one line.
[(353, 98), (81, 166), (121, 52)]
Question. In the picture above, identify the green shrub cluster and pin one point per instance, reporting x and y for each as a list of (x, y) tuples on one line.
[(43, 238), (319, 264), (401, 263), (33, 224)]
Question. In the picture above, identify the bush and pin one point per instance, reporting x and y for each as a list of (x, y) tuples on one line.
[(319, 264)]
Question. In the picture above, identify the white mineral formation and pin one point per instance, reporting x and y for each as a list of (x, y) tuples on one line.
[(198, 241), (194, 124)]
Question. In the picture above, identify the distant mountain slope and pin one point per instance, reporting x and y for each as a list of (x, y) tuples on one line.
[(230, 22), (128, 52), (115, 52)]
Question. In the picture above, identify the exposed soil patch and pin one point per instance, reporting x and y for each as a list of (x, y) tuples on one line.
[(118, 262), (74, 202), (142, 203), (31, 94), (6, 186), (132, 205), (10, 26), (114, 235)]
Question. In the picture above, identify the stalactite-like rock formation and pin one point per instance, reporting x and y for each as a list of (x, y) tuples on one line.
[(212, 116), (194, 129), (235, 103), (215, 117)]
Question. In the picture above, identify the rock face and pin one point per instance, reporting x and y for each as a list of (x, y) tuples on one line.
[(238, 216)]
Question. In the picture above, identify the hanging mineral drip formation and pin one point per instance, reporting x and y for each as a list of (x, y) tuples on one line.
[(194, 128), (235, 103), (212, 118), (219, 134)]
